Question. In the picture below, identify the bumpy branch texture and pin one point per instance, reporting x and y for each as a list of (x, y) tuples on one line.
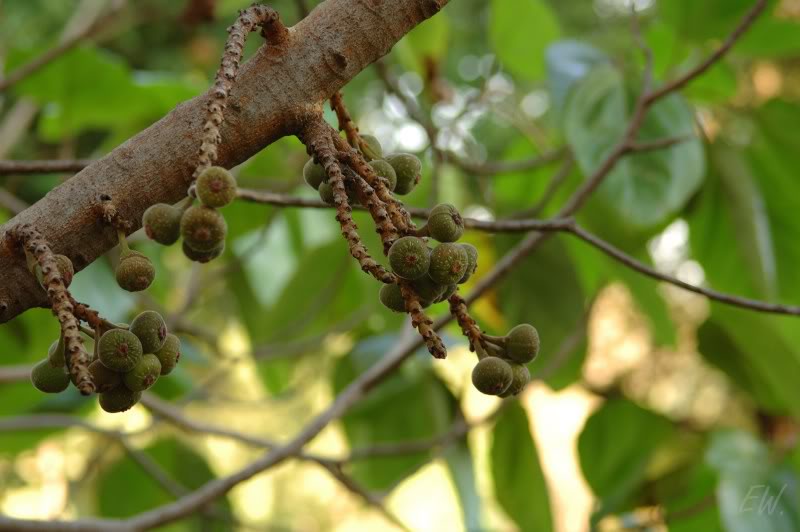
[(275, 89)]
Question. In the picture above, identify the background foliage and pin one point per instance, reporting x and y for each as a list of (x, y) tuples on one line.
[(690, 408)]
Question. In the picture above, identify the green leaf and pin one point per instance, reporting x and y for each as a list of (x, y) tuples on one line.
[(730, 220), (752, 493), (519, 483), (411, 405), (754, 351), (428, 41), (125, 489), (520, 31), (615, 448), (458, 458), (644, 189), (556, 309), (568, 62)]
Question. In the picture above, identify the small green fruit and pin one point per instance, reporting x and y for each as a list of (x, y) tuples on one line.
[(391, 296), (445, 224), (65, 269), (373, 148), (521, 379), (492, 376), (203, 228), (449, 291), (385, 170), (134, 272), (216, 187), (56, 354), (144, 374), (314, 174), (408, 169), (162, 223), (410, 257), (119, 350), (151, 330), (326, 193), (522, 343), (119, 399), (169, 354), (202, 256), (48, 378), (448, 263), (104, 379), (472, 262), (428, 290)]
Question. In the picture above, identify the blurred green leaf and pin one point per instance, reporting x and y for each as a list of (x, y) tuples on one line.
[(124, 488), (644, 189), (426, 42), (568, 62), (615, 447), (410, 405), (522, 51), (458, 458), (556, 309), (752, 494), (519, 483)]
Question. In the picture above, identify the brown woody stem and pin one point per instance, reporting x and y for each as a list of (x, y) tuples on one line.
[(421, 321), (60, 301)]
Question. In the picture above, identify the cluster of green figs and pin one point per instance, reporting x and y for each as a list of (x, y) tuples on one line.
[(127, 360)]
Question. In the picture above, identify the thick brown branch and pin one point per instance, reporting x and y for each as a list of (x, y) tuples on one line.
[(275, 90), (60, 303)]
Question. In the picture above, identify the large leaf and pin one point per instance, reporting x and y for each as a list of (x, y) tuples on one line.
[(615, 448), (752, 494), (756, 354), (644, 189), (411, 405), (568, 61), (519, 483), (522, 51), (545, 290)]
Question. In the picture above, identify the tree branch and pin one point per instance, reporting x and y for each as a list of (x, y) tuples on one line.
[(274, 89), (43, 167)]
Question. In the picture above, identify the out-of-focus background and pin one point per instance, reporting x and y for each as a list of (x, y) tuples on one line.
[(652, 409)]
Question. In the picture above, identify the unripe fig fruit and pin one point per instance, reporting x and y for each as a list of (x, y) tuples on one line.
[(448, 263), (144, 374), (202, 256), (216, 187), (151, 330), (448, 291), (48, 378), (134, 272), (169, 354), (391, 296), (162, 223), (203, 228), (314, 174), (408, 169), (521, 378), (522, 343), (103, 378), (410, 257), (373, 149), (472, 262), (119, 399), (56, 354), (428, 290), (65, 269), (445, 224), (385, 170), (326, 193), (119, 350), (492, 376)]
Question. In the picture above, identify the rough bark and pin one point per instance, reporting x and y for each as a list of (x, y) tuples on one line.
[(276, 88)]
